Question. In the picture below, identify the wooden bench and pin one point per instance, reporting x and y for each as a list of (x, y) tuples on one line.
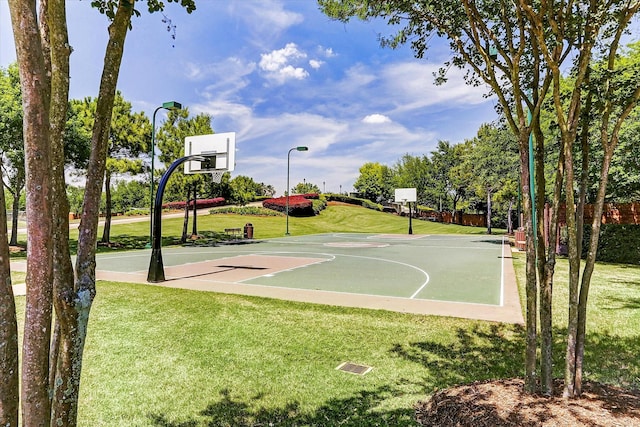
[(234, 233)]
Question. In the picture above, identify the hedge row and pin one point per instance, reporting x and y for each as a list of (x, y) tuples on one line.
[(245, 210), (299, 205), (354, 201), (618, 243), (200, 204)]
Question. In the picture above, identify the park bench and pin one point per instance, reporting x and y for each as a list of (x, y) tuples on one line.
[(234, 233)]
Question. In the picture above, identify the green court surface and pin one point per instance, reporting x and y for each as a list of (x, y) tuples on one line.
[(457, 269)]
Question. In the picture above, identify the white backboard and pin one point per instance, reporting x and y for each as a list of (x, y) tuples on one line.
[(403, 195), (220, 145)]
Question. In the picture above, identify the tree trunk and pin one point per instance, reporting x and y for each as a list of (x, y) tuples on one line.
[(9, 402), (488, 211), (38, 309), (15, 208), (509, 219), (75, 304), (531, 286), (574, 275), (106, 231)]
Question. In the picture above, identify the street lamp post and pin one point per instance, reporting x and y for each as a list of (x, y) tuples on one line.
[(170, 105), (301, 148)]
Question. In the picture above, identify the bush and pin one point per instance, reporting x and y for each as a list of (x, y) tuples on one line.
[(318, 206), (245, 210), (200, 204), (618, 243), (298, 205), (354, 201)]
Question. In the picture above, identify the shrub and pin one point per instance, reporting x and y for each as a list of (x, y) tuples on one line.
[(245, 210), (200, 204), (298, 205), (618, 243), (355, 201), (318, 206)]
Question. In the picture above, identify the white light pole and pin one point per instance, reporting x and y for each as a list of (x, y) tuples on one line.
[(301, 148)]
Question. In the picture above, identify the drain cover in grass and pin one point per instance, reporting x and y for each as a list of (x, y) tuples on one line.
[(353, 368)]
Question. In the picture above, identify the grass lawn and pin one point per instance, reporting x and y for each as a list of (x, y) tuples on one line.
[(167, 357)]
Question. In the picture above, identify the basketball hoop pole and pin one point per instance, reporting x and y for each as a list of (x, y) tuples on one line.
[(156, 266), (410, 215)]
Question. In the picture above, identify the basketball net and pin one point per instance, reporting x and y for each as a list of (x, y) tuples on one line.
[(216, 176)]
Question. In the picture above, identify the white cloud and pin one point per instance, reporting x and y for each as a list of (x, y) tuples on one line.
[(265, 19), (376, 118), (326, 52), (277, 64), (412, 84), (315, 64), (278, 58)]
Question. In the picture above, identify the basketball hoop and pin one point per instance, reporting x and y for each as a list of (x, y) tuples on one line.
[(216, 175)]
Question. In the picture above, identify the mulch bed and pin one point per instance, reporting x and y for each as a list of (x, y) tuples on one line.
[(504, 403)]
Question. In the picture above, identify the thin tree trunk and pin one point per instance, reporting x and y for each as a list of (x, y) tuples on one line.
[(38, 307), (9, 401), (509, 219), (488, 211), (584, 172), (531, 286), (75, 308), (546, 287), (574, 276), (15, 208)]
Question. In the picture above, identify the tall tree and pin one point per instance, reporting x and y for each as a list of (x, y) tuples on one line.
[(300, 188), (11, 145), (51, 364), (493, 161), (520, 49), (449, 174), (414, 172), (244, 189), (128, 137), (374, 182)]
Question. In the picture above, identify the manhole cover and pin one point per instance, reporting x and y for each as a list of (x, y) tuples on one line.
[(353, 368)]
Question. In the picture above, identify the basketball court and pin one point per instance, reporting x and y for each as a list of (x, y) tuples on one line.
[(460, 276)]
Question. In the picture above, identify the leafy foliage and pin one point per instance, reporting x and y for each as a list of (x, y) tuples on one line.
[(374, 182)]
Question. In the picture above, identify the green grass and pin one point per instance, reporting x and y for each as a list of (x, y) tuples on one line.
[(613, 321), (157, 356)]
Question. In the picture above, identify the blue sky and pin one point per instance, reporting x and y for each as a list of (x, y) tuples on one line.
[(281, 74)]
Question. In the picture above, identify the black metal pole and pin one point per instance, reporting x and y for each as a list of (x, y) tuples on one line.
[(410, 215), (195, 209), (156, 267)]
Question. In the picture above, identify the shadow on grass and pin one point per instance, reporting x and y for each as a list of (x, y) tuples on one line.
[(478, 353), (497, 352), (358, 410)]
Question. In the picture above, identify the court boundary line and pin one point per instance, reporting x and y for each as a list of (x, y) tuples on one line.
[(509, 312)]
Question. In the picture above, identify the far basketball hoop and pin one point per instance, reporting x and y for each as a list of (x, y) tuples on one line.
[(218, 150), (404, 196)]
